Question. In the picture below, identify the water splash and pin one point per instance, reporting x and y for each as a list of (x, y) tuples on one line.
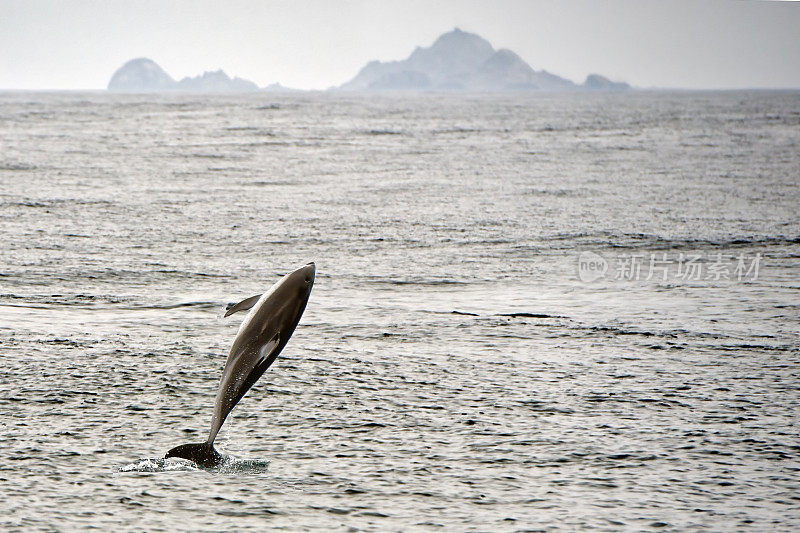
[(229, 465)]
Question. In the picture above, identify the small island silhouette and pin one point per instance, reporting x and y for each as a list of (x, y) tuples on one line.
[(457, 61)]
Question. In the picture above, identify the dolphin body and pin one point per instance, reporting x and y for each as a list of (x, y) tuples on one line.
[(264, 332)]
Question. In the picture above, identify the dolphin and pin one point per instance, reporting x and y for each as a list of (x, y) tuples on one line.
[(266, 329)]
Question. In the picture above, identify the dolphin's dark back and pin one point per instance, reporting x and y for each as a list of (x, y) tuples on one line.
[(290, 325)]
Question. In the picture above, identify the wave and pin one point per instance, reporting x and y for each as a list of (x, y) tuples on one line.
[(515, 314), (607, 239), (199, 304), (418, 281), (54, 202), (382, 132), (17, 166), (96, 301), (523, 314)]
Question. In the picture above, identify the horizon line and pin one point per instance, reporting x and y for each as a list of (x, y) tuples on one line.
[(335, 89)]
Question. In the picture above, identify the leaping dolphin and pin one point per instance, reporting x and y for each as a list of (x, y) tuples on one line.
[(264, 332)]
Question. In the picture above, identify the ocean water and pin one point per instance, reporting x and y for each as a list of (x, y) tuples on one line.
[(531, 312)]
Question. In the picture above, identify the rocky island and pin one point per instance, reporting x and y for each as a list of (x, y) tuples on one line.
[(144, 75), (463, 61), (457, 61)]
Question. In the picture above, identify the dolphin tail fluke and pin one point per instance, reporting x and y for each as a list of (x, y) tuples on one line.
[(203, 454)]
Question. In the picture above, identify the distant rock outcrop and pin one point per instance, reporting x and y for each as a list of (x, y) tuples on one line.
[(461, 61), (216, 82), (141, 75), (596, 82), (456, 61), (144, 75), (278, 88), (505, 71)]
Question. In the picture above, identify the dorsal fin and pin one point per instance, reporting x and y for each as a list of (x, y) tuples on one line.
[(244, 305)]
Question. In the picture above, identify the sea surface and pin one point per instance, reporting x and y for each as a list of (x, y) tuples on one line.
[(531, 312)]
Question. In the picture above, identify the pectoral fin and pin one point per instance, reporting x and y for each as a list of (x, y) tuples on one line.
[(244, 305)]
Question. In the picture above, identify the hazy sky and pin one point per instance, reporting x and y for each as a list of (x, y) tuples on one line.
[(65, 44)]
